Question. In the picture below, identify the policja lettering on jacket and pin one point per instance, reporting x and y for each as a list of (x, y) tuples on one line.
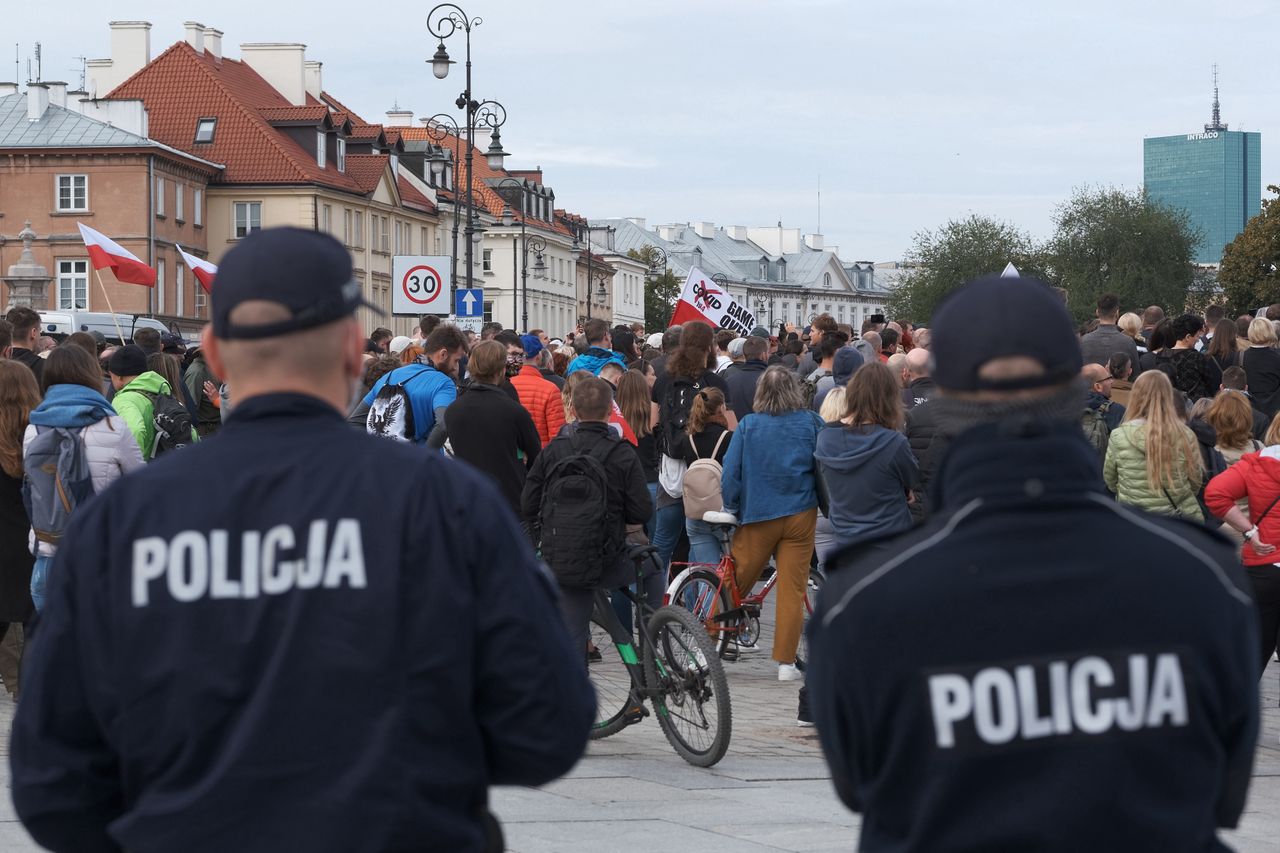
[(196, 564), (1002, 703)]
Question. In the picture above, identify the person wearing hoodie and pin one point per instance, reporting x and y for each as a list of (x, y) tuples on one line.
[(72, 401), (133, 383), (866, 462), (743, 378), (846, 362), (599, 349)]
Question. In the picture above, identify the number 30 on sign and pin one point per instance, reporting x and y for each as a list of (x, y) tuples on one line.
[(417, 284)]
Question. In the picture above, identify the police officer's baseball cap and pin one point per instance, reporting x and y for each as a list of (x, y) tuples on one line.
[(995, 317), (307, 272)]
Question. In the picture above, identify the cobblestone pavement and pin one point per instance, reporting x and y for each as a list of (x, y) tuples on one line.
[(771, 792)]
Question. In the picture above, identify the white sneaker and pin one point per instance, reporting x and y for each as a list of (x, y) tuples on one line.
[(748, 650), (804, 724), (789, 672)]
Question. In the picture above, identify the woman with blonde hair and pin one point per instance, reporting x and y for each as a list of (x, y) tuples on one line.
[(1153, 458), (19, 394), (1261, 363), (1131, 325)]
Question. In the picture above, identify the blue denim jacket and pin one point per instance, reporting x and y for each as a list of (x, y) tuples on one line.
[(769, 469)]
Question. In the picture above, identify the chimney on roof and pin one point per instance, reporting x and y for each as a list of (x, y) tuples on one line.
[(397, 117), (814, 241), (637, 221), (130, 52), (194, 31), (57, 92), (37, 100), (311, 68), (281, 65), (706, 230), (8, 89), (213, 42), (736, 232)]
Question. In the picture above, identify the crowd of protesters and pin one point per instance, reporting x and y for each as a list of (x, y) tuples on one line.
[(834, 442)]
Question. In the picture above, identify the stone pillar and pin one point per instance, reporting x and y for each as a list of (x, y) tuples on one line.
[(28, 281)]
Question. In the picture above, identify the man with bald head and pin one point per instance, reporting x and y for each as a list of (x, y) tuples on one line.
[(1098, 398), (917, 383)]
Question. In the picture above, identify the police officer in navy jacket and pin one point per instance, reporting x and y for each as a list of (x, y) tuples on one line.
[(337, 643), (1038, 667)]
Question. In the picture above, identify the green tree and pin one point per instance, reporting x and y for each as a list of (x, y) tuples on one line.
[(957, 252), (660, 291), (1248, 275), (1109, 240)]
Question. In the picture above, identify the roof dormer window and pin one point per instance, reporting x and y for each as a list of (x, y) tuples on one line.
[(205, 128), (342, 154), (320, 148), (764, 269)]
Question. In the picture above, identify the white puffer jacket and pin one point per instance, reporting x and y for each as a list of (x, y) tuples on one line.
[(111, 452)]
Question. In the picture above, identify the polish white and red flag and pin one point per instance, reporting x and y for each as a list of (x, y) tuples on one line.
[(105, 253), (707, 300), (204, 271)]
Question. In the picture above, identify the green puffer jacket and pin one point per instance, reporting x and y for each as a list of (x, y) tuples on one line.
[(1125, 471)]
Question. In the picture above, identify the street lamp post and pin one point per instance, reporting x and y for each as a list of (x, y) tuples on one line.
[(442, 22), (439, 126), (538, 244), (588, 228)]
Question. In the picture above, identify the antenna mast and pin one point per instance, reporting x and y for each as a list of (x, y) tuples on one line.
[(819, 203), (1216, 124)]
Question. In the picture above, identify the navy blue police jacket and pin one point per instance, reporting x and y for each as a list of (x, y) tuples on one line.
[(293, 636), (1037, 667)]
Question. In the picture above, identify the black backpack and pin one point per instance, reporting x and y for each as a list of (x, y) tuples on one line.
[(579, 536), (673, 413), (171, 421)]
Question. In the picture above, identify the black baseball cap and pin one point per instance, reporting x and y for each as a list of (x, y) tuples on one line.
[(307, 272), (994, 317)]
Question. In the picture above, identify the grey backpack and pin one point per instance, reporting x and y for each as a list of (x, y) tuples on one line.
[(56, 480)]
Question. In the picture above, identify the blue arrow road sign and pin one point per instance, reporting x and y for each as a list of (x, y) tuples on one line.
[(469, 303)]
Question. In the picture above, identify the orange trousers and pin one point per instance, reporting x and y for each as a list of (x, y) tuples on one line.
[(789, 540)]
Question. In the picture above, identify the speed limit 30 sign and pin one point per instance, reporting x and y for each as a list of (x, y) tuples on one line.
[(420, 284)]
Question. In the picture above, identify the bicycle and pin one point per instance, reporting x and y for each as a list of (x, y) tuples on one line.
[(710, 592), (676, 669)]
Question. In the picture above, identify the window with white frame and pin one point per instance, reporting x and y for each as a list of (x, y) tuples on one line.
[(326, 218), (373, 232), (205, 128), (399, 242), (248, 217), (197, 215), (486, 262), (386, 235), (73, 193), (160, 285), (73, 285), (342, 154), (159, 196), (346, 226), (179, 202), (357, 229), (320, 148), (201, 299), (422, 238), (179, 285)]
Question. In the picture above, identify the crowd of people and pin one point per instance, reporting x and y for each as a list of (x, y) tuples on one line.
[(942, 478)]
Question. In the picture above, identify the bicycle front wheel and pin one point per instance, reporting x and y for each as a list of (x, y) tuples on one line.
[(702, 594), (612, 682), (692, 701)]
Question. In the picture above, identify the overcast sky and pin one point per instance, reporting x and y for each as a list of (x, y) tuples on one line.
[(909, 113)]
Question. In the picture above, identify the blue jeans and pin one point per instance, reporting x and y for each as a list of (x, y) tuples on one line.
[(39, 581), (667, 523), (704, 547)]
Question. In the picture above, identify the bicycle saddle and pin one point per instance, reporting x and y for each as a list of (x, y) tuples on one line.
[(713, 517)]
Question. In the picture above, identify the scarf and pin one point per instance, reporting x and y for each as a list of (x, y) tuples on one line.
[(71, 406)]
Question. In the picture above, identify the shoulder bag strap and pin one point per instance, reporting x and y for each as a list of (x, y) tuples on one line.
[(694, 445), (715, 451), (1267, 510)]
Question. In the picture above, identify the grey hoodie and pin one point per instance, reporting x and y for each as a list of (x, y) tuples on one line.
[(868, 471), (843, 366)]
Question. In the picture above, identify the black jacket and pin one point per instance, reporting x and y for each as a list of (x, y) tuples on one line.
[(31, 360), (343, 643), (963, 704), (918, 392), (629, 500), (928, 436), (742, 380), (1262, 372), (496, 435)]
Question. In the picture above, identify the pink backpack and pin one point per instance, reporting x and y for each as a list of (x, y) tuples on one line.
[(702, 482)]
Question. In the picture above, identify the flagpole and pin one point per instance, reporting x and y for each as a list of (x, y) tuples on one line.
[(98, 275)]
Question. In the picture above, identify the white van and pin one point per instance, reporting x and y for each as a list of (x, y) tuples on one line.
[(60, 324)]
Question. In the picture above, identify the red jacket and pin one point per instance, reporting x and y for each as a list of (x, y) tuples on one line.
[(1257, 477), (543, 401)]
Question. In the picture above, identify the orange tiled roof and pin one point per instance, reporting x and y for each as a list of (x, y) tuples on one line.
[(366, 170), (486, 198), (316, 113), (180, 86), (339, 107), (410, 197)]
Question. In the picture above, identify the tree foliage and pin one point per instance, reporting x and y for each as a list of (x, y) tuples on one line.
[(1250, 263), (961, 250), (660, 291), (1110, 240)]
